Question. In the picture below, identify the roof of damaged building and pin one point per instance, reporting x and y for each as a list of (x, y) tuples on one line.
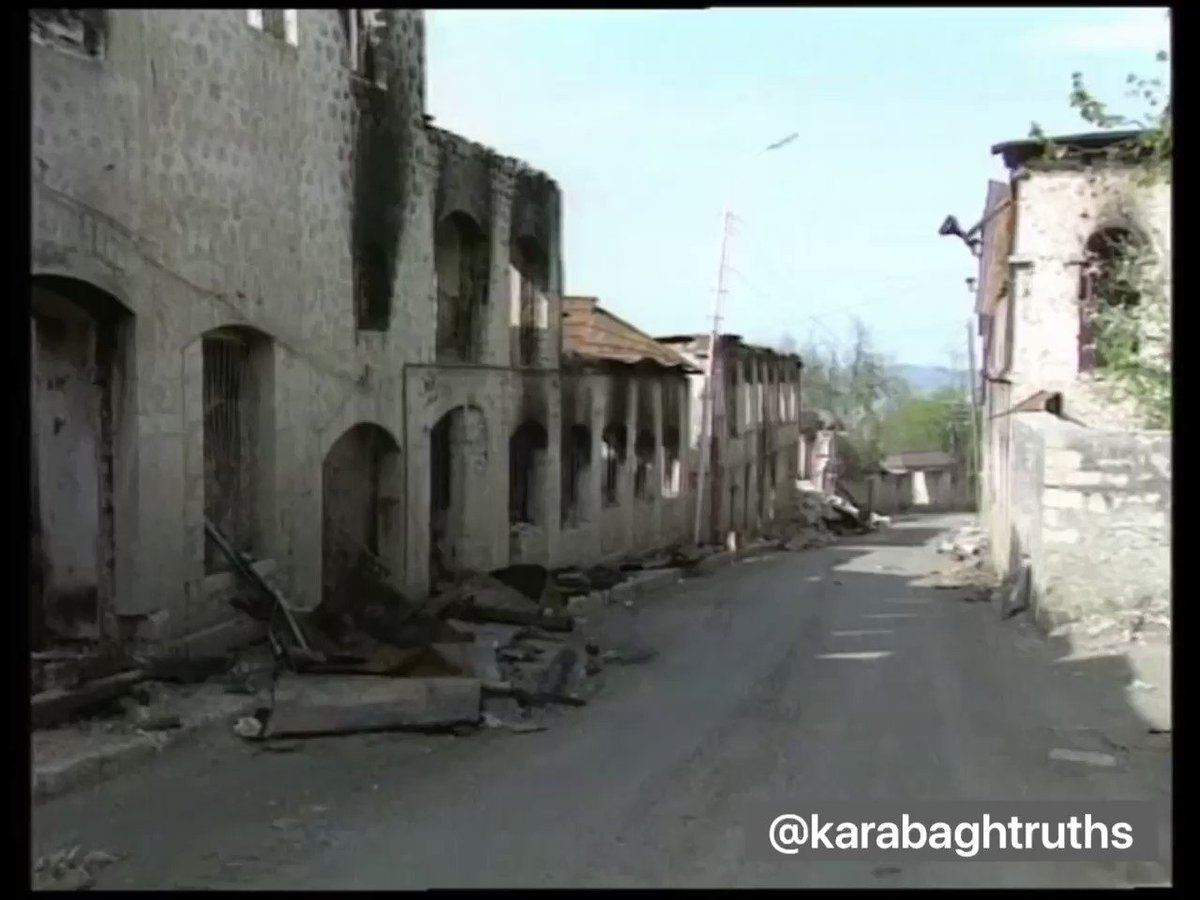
[(899, 463), (698, 343), (1092, 145), (593, 334)]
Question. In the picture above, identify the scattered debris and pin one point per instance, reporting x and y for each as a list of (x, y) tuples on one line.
[(67, 870), (248, 727)]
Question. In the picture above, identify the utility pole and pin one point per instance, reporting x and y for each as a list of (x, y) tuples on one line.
[(708, 397), (971, 384)]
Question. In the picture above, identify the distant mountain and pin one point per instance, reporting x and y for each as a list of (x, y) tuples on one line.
[(926, 379)]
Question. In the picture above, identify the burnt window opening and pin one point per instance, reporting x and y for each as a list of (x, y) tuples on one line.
[(372, 287), (613, 452), (671, 463), (235, 390), (643, 449), (1105, 286), (576, 463), (360, 47), (526, 460), (283, 24), (532, 276), (461, 264), (81, 31)]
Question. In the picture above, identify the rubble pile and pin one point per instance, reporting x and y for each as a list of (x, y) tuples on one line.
[(818, 519), (967, 543), (488, 650), (69, 870)]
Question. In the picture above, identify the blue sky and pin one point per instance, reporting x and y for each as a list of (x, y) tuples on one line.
[(651, 121)]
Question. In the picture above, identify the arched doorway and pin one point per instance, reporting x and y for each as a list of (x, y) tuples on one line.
[(361, 512), (81, 341), (458, 454), (238, 430)]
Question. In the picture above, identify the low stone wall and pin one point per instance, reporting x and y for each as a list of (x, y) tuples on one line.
[(1091, 516)]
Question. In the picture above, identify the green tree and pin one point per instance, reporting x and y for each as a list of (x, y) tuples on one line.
[(1133, 339), (938, 421), (854, 385)]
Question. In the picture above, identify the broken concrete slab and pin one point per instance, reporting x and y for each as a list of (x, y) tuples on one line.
[(314, 705), (56, 706), (476, 660)]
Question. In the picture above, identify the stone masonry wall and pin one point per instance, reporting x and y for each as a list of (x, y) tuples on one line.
[(1092, 512), (206, 174), (1057, 212)]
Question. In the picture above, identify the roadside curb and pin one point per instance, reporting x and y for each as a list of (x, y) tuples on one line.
[(99, 764), (659, 580)]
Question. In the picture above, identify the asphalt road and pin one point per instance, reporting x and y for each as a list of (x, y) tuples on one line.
[(751, 699)]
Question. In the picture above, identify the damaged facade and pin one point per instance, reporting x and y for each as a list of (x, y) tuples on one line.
[(755, 434), (269, 295), (264, 287), (1069, 475)]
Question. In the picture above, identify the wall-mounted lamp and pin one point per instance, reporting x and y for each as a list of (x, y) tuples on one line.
[(971, 285), (951, 228)]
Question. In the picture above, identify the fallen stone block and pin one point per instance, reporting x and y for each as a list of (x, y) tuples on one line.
[(314, 705)]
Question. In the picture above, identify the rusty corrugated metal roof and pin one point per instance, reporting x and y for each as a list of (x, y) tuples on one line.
[(591, 332)]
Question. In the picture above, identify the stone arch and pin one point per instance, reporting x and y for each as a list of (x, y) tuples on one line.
[(576, 468), (1103, 282), (458, 453), (461, 261), (526, 473), (362, 491), (238, 403), (531, 268), (82, 437)]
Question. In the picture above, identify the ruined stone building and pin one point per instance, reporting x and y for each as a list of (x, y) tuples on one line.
[(1070, 476), (267, 293), (756, 448), (626, 410)]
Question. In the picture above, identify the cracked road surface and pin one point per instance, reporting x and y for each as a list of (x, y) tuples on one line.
[(830, 673)]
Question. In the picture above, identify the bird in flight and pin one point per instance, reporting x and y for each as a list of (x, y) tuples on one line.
[(787, 140)]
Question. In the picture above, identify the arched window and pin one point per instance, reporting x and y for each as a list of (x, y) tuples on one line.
[(1105, 284)]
